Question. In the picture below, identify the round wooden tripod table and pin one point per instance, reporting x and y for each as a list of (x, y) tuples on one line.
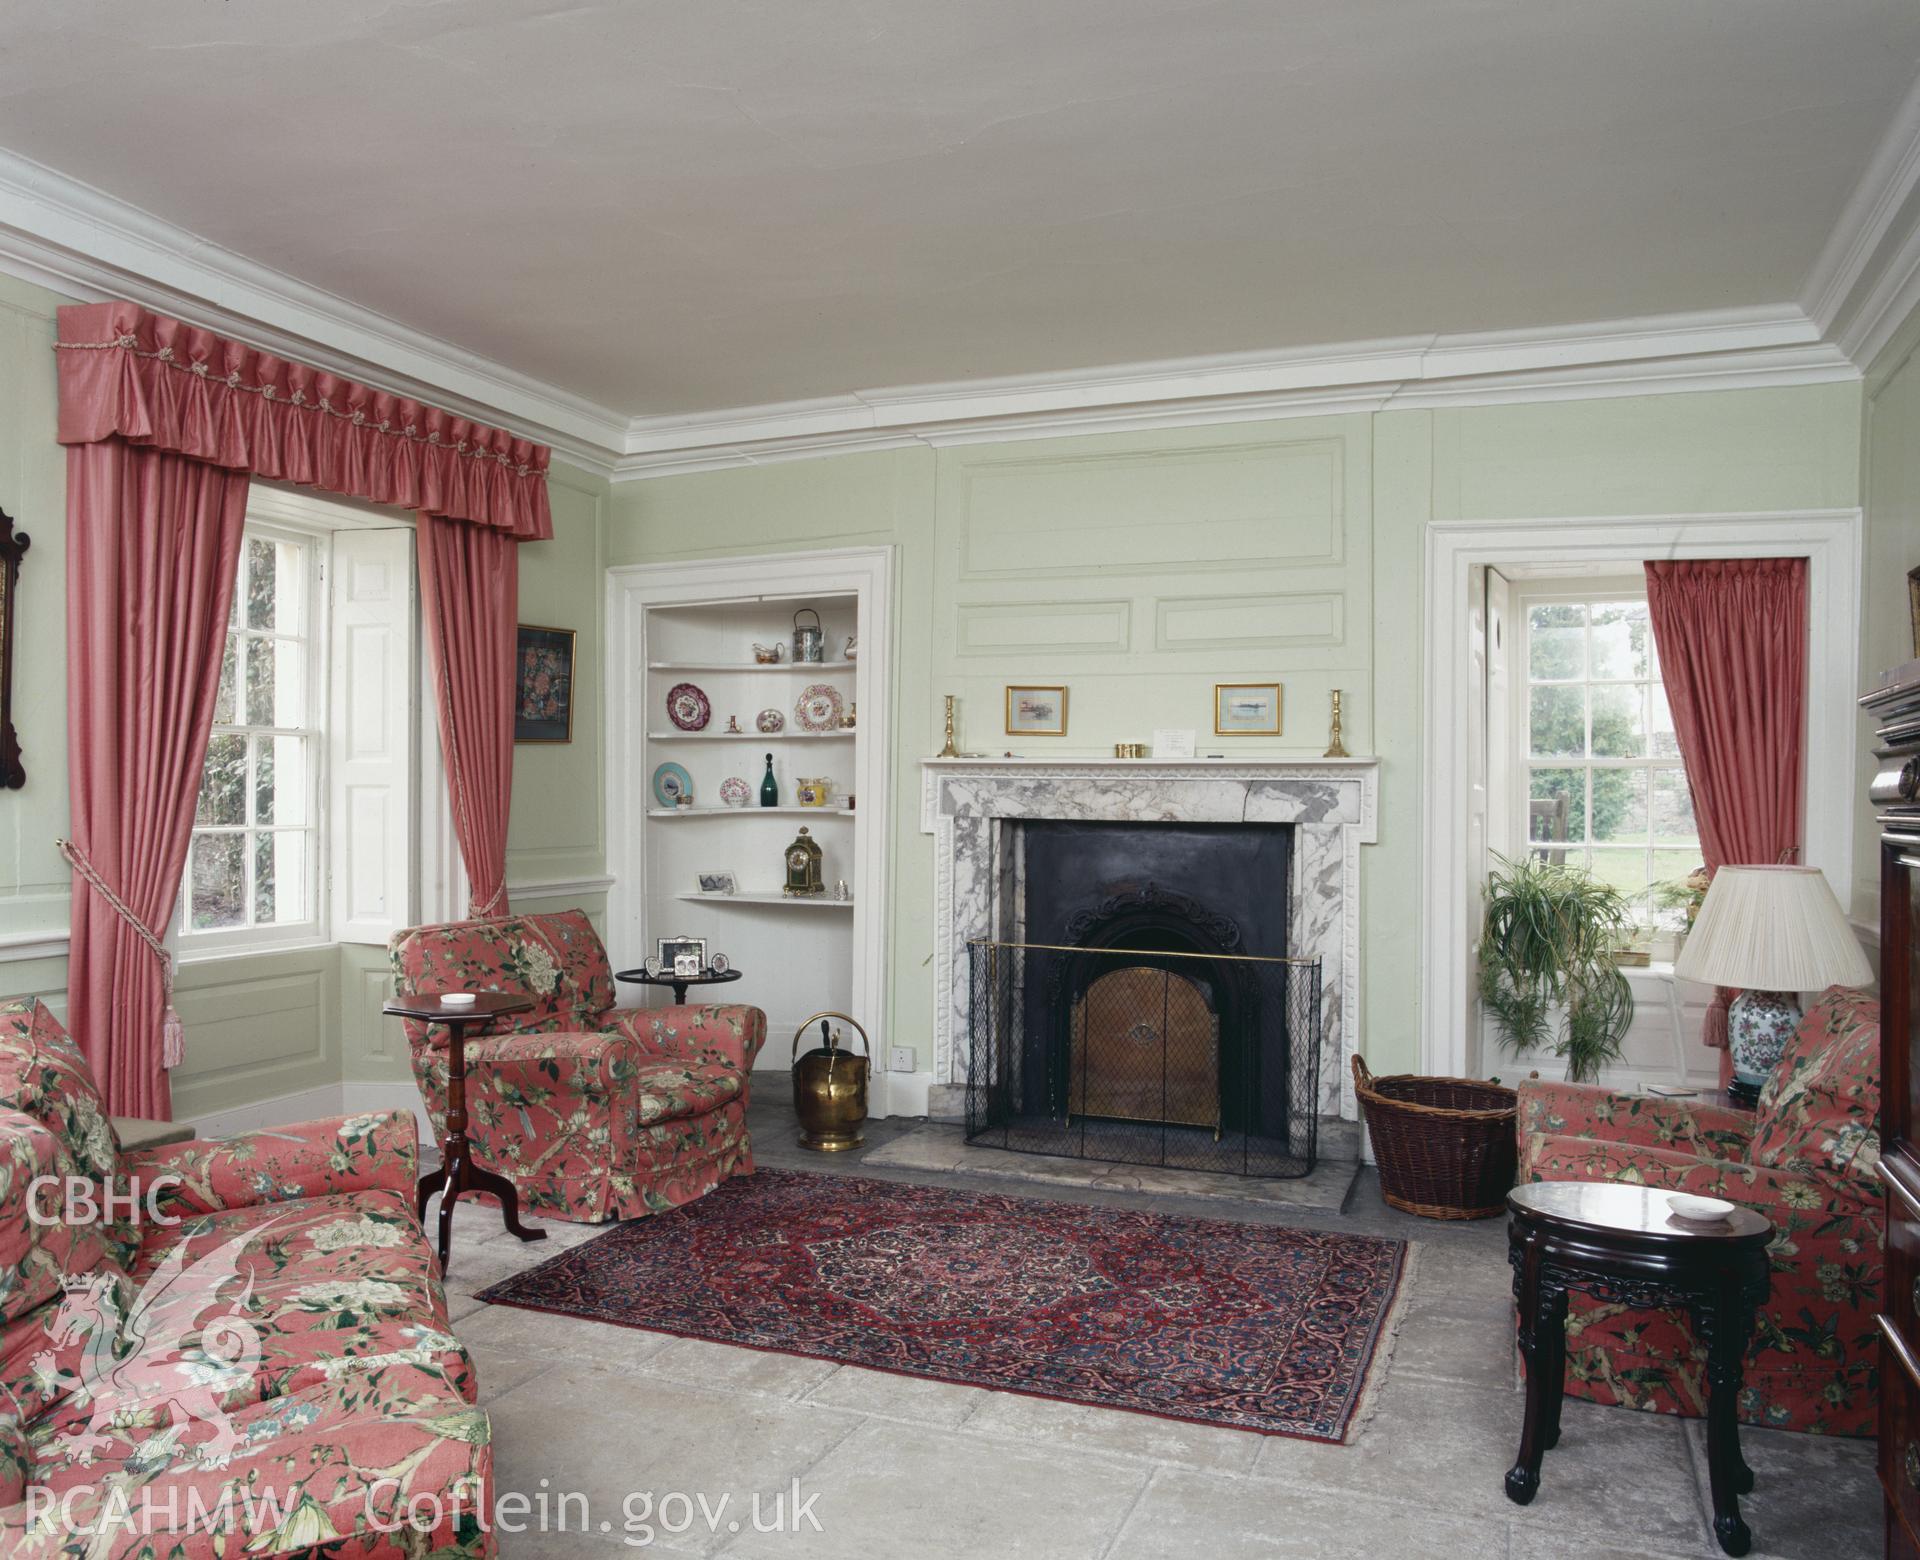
[(458, 1173), (1624, 1244)]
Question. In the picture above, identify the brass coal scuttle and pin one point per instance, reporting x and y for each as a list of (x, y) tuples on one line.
[(830, 1086)]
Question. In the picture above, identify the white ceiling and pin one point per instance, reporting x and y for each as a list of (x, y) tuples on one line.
[(675, 207)]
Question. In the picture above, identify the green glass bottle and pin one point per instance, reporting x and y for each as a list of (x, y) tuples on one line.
[(769, 787)]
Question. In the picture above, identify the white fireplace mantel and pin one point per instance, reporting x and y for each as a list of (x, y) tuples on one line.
[(1333, 804)]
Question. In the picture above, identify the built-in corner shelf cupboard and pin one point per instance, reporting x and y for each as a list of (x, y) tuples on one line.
[(698, 623)]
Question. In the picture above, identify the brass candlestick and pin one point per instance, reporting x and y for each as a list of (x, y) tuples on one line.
[(1335, 747), (950, 750)]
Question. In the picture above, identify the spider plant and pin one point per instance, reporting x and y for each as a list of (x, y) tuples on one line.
[(1546, 962)]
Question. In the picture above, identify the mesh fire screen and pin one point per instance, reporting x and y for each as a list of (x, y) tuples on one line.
[(1187, 1060)]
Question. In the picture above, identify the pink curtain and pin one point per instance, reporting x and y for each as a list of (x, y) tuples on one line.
[(129, 374), (165, 423), (153, 544), (1732, 637), (469, 601)]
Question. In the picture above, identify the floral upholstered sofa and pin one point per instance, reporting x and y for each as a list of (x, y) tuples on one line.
[(1805, 1158), (257, 1362), (593, 1112)]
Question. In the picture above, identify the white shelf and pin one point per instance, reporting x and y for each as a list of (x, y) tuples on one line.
[(751, 666), (750, 736), (819, 902), (735, 812)]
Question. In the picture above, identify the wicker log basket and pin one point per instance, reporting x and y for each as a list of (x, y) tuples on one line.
[(1445, 1146)]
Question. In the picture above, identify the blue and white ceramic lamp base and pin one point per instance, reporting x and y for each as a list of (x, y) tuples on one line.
[(1759, 1026)]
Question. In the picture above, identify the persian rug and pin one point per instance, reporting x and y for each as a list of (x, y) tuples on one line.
[(1252, 1326)]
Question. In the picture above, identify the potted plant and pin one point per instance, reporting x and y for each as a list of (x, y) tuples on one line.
[(1547, 972)]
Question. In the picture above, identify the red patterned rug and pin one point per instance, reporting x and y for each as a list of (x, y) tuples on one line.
[(1253, 1326)]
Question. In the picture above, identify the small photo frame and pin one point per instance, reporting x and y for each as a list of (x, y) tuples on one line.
[(1036, 711), (1246, 709), (673, 949), (543, 685), (716, 882)]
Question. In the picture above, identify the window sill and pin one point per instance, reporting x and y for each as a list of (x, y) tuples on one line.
[(185, 958)]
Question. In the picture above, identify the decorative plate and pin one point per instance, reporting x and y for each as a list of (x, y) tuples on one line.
[(819, 708), (670, 783), (734, 791), (719, 964), (770, 721), (687, 707)]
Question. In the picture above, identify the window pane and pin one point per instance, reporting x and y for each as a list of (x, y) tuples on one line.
[(280, 892), (1557, 805), (1619, 722), (1620, 805), (219, 893), (1556, 641), (1626, 870), (223, 783), (276, 585), (1660, 735), (1673, 808), (1621, 637), (276, 683), (1557, 722), (282, 780), (223, 700)]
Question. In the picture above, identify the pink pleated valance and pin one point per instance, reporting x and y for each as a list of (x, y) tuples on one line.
[(129, 374)]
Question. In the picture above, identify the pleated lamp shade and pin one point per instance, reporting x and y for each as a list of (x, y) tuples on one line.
[(1772, 929)]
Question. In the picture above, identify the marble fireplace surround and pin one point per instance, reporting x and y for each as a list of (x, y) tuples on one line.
[(1332, 803)]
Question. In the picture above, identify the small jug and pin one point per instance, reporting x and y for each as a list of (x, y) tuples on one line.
[(853, 647)]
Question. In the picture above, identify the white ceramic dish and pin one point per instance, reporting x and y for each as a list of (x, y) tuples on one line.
[(1699, 1210), (456, 999)]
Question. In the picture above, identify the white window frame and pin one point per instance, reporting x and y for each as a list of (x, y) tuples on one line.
[(1519, 759), (229, 940), (1830, 541), (434, 875)]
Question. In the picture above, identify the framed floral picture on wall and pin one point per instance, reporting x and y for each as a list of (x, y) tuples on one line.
[(543, 685)]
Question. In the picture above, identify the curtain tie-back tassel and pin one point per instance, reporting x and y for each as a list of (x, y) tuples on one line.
[(173, 1033)]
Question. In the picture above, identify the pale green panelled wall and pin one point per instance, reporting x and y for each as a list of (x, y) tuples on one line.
[(260, 1025), (1139, 569), (1891, 440)]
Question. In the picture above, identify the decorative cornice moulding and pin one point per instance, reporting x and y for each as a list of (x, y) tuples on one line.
[(1710, 350), (80, 241)]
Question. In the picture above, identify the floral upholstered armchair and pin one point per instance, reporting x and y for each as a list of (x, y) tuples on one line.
[(593, 1112), (1805, 1158)]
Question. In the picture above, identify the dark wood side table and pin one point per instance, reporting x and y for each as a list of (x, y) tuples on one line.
[(458, 1173), (678, 982), (1623, 1244)]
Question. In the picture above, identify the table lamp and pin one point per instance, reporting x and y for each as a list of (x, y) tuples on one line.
[(1770, 932)]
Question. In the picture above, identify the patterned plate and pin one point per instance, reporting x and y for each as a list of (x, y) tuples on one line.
[(734, 791), (770, 721), (687, 707), (819, 708), (670, 783)]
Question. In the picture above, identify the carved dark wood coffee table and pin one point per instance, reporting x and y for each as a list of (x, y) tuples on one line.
[(1623, 1244), (458, 1173)]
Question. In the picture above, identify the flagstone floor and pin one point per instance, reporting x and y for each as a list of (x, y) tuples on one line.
[(649, 1435)]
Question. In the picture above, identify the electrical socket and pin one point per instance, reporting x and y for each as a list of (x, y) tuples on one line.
[(901, 1059)]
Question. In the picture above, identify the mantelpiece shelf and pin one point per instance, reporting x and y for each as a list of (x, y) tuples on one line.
[(751, 666), (819, 902), (735, 812), (749, 736)]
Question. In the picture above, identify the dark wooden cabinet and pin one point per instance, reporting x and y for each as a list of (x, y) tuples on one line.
[(1893, 704)]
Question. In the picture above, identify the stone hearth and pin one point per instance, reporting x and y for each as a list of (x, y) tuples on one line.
[(967, 804)]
